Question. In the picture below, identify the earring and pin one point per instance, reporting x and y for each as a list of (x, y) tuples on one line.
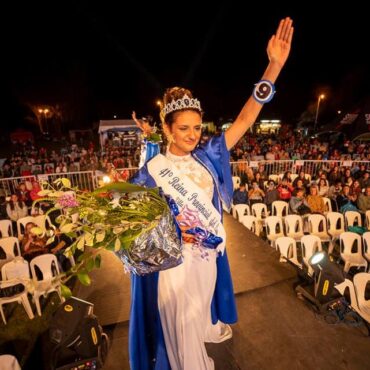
[(170, 139)]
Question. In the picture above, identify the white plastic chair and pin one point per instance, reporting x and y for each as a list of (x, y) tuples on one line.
[(10, 247), (293, 176), (360, 282), (352, 218), (251, 223), (288, 249), (16, 269), (241, 210), (348, 241), (317, 226), (274, 178), (259, 210), (6, 229), (9, 362), (274, 228), (308, 177), (294, 227), (335, 222), (279, 208), (236, 182), (366, 246), (367, 218), (48, 266), (21, 225), (310, 244), (327, 203), (42, 221)]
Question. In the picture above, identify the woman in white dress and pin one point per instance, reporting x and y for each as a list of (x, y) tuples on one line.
[(174, 312)]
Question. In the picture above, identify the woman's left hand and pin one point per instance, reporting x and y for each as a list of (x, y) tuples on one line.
[(279, 45)]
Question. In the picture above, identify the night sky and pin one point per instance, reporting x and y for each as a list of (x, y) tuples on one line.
[(105, 60)]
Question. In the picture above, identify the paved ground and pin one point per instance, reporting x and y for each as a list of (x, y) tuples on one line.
[(275, 330)]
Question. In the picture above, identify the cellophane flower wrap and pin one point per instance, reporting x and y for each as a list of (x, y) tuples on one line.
[(136, 223)]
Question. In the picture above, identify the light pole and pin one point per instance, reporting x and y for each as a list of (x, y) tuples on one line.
[(322, 96), (43, 114)]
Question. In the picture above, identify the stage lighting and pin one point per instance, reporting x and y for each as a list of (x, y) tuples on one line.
[(76, 340), (326, 275), (321, 293)]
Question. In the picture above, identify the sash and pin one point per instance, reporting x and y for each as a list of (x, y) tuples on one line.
[(191, 200)]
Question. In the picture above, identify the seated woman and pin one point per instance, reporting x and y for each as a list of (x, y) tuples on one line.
[(285, 190), (256, 194), (323, 187), (345, 200), (32, 245), (16, 209), (297, 203), (315, 201)]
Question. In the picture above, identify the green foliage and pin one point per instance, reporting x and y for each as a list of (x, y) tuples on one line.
[(110, 218)]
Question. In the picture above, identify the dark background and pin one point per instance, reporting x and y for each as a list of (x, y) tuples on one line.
[(91, 62)]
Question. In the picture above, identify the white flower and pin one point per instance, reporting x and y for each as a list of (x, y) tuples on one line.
[(115, 203)]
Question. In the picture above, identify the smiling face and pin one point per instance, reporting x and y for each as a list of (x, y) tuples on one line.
[(186, 131)]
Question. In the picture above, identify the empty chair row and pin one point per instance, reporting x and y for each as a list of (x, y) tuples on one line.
[(278, 208), (354, 249), (40, 282)]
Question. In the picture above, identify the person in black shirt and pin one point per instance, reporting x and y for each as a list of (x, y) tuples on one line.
[(240, 195)]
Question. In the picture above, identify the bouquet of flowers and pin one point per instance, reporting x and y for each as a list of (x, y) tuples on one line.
[(136, 223)]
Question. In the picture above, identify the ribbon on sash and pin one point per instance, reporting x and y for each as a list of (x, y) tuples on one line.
[(196, 209), (148, 151)]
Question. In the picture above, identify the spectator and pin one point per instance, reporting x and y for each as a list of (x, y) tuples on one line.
[(285, 190), (355, 188), (345, 200), (16, 209), (259, 180), (23, 194), (240, 195), (256, 194), (3, 213), (32, 245), (302, 177), (365, 180), (315, 201), (298, 203), (335, 175), (323, 188), (271, 195), (363, 201)]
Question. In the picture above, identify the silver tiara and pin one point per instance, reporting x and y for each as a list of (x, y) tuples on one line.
[(184, 103)]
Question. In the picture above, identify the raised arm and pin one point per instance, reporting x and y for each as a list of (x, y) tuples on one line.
[(278, 49), (143, 126)]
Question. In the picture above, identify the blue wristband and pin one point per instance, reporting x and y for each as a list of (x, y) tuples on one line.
[(263, 91)]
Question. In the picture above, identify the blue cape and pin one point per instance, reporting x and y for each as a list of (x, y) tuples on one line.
[(147, 350)]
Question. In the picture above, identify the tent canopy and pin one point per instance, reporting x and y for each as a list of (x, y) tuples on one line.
[(353, 122), (117, 125)]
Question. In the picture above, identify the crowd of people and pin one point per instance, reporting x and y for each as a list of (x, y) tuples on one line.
[(347, 189), (292, 145), (29, 159)]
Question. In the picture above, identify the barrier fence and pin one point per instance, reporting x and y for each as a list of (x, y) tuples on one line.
[(310, 167), (90, 180)]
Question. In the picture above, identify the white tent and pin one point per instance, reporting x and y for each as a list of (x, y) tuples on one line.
[(115, 125)]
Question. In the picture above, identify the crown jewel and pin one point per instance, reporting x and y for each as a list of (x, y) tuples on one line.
[(182, 103)]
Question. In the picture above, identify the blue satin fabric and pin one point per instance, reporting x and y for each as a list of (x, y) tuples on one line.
[(152, 149), (147, 350), (207, 239)]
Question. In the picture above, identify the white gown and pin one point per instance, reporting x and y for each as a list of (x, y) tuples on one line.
[(185, 292)]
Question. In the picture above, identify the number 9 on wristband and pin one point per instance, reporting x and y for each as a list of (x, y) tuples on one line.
[(263, 91)]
